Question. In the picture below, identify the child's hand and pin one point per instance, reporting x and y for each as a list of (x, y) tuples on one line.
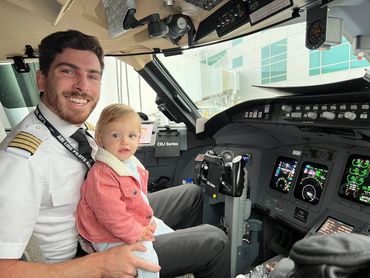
[(148, 232), (153, 224)]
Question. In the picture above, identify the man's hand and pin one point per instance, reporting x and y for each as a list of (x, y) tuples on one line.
[(120, 262), (117, 262)]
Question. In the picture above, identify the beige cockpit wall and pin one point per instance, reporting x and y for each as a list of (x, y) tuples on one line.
[(26, 22)]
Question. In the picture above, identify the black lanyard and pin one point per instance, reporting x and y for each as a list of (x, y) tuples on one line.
[(61, 139)]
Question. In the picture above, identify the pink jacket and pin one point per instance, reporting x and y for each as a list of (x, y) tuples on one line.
[(112, 208)]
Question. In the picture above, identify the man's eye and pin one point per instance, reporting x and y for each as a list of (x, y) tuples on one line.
[(68, 71), (94, 77)]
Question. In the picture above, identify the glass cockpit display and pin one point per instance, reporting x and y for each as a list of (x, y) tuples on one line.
[(284, 172), (311, 182), (332, 225), (355, 184)]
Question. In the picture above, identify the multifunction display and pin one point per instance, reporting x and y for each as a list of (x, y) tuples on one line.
[(331, 226), (355, 184), (284, 173), (311, 182)]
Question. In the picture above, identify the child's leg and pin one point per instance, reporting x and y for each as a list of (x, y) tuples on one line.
[(105, 245), (162, 228)]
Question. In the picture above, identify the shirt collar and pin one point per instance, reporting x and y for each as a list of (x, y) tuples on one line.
[(65, 128)]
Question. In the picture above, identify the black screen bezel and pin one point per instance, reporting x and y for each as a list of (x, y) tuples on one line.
[(300, 177), (273, 181), (343, 179)]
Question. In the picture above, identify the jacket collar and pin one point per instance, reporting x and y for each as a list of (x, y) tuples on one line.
[(120, 168)]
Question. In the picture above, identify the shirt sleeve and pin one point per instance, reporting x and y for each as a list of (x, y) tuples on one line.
[(20, 198), (104, 196)]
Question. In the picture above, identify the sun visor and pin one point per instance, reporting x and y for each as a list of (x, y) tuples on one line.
[(116, 11)]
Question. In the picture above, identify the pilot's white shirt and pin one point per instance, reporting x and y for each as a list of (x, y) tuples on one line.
[(39, 190)]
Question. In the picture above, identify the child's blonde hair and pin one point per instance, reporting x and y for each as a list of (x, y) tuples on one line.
[(114, 112)]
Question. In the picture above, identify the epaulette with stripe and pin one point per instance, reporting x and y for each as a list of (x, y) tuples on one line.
[(25, 141), (89, 126)]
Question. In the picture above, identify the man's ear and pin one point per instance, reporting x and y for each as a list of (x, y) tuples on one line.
[(40, 80)]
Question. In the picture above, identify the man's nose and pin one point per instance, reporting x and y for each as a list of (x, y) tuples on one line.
[(81, 83)]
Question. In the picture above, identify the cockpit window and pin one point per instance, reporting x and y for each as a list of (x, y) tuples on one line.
[(266, 64), (18, 90), (219, 76)]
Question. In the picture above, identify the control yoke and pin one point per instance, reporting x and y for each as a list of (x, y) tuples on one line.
[(233, 176), (223, 177)]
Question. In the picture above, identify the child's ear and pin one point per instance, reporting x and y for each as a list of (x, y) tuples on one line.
[(98, 138)]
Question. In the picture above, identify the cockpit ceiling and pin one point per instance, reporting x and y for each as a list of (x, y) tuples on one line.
[(26, 22)]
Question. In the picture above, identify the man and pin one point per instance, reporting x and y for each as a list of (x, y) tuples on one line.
[(42, 170)]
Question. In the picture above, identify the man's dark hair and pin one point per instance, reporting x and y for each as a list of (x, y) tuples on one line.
[(55, 43)]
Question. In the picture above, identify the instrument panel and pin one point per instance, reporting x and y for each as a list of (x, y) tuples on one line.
[(284, 174), (309, 185), (355, 184), (311, 182), (304, 185), (311, 189), (352, 110), (302, 189), (308, 170), (309, 157)]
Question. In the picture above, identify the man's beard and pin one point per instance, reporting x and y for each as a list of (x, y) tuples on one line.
[(70, 116)]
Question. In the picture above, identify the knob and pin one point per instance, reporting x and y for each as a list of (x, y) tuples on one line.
[(286, 108), (312, 115), (328, 115), (350, 116)]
